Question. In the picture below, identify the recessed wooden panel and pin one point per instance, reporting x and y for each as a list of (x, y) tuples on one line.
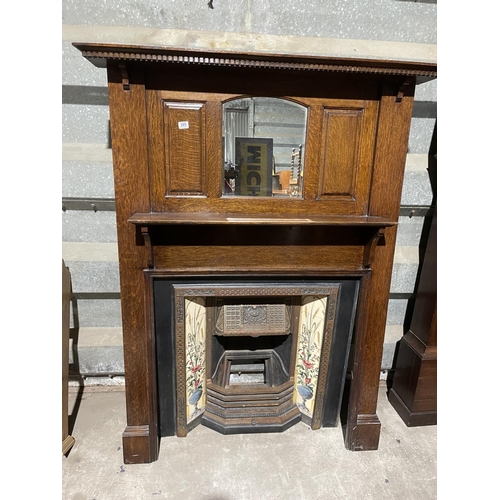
[(184, 148), (341, 152), (270, 258)]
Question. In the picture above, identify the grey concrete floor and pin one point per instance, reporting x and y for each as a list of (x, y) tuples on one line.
[(298, 464)]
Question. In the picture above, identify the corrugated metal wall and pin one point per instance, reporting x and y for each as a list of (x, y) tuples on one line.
[(361, 28)]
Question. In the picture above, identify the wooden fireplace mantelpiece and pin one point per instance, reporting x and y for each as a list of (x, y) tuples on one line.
[(174, 219)]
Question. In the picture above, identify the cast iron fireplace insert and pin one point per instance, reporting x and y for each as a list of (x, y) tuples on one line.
[(246, 355)]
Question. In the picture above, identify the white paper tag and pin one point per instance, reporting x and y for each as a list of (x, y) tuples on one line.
[(183, 125)]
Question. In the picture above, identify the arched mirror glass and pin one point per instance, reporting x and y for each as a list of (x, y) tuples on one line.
[(264, 145)]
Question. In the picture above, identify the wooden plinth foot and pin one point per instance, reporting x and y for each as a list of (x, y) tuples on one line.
[(365, 435), (139, 446)]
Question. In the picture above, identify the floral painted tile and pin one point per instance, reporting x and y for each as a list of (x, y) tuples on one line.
[(195, 330), (310, 341)]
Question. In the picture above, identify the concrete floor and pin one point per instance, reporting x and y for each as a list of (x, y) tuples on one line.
[(298, 464)]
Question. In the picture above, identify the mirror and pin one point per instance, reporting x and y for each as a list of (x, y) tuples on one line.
[(263, 142)]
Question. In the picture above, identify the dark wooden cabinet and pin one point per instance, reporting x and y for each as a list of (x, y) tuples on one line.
[(414, 388), (178, 218)]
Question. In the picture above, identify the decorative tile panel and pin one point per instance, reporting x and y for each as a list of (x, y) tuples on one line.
[(309, 345), (195, 331)]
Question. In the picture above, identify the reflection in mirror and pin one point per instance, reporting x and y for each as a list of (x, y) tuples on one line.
[(263, 141)]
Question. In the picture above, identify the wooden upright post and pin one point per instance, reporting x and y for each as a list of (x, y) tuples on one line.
[(67, 440)]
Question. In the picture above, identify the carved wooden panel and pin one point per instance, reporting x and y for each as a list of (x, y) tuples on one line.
[(347, 154), (342, 133), (184, 128), (291, 259)]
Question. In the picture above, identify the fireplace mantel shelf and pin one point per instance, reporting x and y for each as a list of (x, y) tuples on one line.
[(167, 218), (99, 53)]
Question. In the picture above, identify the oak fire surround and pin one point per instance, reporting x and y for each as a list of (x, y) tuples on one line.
[(325, 221)]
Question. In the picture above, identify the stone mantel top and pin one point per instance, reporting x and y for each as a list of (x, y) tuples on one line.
[(256, 43)]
